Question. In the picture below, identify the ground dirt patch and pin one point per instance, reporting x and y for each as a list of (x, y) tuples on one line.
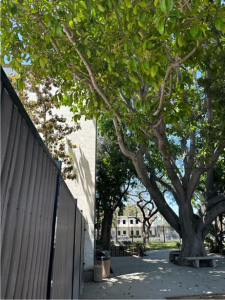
[(203, 296)]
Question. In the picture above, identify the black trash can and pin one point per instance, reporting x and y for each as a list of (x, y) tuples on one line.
[(103, 259)]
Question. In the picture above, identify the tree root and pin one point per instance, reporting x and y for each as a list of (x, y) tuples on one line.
[(182, 262)]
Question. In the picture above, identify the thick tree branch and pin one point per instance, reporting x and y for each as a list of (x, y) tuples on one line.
[(166, 185), (168, 71), (207, 205), (211, 214), (189, 164), (69, 66), (120, 140), (161, 135), (155, 193), (196, 174)]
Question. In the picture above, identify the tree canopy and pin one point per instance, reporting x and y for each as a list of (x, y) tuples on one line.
[(54, 129), (154, 68)]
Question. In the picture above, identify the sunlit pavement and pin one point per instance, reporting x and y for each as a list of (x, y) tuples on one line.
[(155, 277)]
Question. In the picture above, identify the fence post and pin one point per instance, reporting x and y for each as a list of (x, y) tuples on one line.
[(74, 245), (51, 258)]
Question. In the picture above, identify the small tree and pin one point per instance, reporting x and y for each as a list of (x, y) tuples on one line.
[(53, 128), (115, 175), (148, 211)]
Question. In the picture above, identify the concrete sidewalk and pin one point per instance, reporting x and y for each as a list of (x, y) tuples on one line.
[(155, 277)]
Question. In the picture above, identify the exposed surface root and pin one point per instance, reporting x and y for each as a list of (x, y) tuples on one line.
[(182, 262)]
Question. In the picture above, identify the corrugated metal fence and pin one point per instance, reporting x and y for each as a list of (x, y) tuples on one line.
[(42, 230)]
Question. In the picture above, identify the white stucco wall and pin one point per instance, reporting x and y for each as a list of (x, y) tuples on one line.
[(83, 187)]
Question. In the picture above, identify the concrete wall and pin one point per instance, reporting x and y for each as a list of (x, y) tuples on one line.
[(83, 187)]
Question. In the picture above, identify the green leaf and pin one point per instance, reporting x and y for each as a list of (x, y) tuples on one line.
[(218, 23), (163, 5), (154, 70), (101, 8), (194, 30), (11, 3), (129, 4), (149, 45), (109, 4), (203, 30), (83, 4), (88, 53), (135, 10), (134, 65), (146, 64), (180, 40), (161, 27), (144, 45), (133, 78), (42, 61), (58, 30), (143, 4), (71, 24), (169, 5), (223, 28)]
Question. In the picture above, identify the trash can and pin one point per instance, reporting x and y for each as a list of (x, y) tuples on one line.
[(103, 259), (97, 273)]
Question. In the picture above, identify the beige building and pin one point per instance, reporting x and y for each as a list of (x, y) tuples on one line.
[(131, 226), (127, 225)]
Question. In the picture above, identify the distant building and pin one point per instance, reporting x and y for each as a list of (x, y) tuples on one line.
[(132, 226)]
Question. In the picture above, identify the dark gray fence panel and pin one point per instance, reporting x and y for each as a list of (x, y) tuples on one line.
[(28, 200), (82, 252), (77, 255), (63, 257), (28, 187)]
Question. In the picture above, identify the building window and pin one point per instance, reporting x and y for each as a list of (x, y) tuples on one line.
[(118, 222), (136, 221), (137, 232), (124, 232), (131, 222), (118, 232), (124, 221), (132, 232)]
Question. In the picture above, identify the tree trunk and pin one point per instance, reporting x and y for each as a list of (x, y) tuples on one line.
[(145, 233), (192, 237), (106, 230), (192, 247), (147, 239)]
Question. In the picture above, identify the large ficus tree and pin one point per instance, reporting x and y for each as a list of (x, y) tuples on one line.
[(137, 62)]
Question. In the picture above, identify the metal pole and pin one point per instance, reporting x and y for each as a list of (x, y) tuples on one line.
[(116, 228), (164, 234), (132, 234)]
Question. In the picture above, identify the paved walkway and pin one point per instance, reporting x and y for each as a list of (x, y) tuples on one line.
[(155, 277)]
